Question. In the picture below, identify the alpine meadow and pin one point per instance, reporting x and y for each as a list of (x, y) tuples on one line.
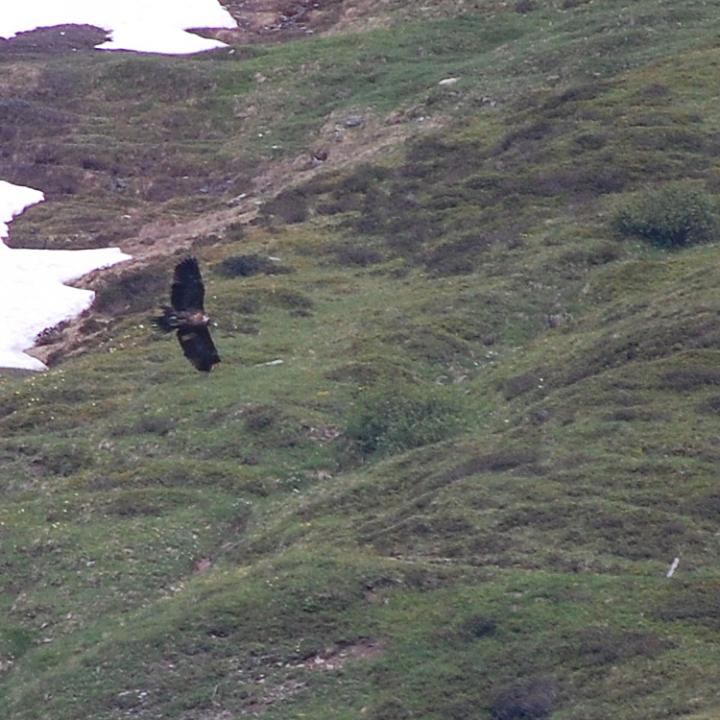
[(460, 459)]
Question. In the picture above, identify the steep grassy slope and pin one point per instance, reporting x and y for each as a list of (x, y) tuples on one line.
[(461, 428)]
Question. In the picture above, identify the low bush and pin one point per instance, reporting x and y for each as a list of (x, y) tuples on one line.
[(530, 700), (524, 6), (673, 216), (457, 256), (498, 461), (261, 417), (292, 300), (690, 378), (597, 646), (248, 265), (477, 626), (388, 419), (695, 602), (358, 255), (389, 709)]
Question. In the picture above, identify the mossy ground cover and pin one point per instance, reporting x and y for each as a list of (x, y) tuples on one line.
[(273, 539)]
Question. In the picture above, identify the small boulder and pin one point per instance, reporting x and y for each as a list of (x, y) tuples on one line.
[(354, 121)]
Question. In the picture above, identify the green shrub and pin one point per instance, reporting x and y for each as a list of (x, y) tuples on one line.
[(387, 419), (526, 700), (248, 265), (676, 215), (358, 255)]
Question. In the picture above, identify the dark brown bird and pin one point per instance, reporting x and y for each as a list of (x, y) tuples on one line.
[(187, 316)]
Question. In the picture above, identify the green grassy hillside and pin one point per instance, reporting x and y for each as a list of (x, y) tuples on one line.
[(466, 417)]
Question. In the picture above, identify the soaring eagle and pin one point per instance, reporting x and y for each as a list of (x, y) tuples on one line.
[(187, 316)]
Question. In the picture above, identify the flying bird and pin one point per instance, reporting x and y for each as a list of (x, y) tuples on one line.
[(187, 316)]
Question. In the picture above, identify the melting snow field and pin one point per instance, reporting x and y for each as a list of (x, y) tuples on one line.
[(32, 293), (142, 25)]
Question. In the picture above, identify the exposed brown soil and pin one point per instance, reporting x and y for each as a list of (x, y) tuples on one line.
[(333, 658)]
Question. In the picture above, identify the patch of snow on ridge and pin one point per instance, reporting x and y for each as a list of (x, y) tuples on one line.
[(32, 294), (142, 25)]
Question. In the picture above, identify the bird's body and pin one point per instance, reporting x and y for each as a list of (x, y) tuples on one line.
[(186, 314), (172, 319)]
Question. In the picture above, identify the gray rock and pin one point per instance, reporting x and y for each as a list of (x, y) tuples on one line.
[(353, 121)]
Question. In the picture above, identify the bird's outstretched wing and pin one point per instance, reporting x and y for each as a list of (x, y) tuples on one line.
[(188, 291), (198, 347)]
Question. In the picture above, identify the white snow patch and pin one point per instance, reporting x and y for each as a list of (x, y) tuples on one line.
[(141, 25), (32, 293)]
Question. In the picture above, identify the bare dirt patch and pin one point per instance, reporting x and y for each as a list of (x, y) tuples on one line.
[(340, 147), (337, 656)]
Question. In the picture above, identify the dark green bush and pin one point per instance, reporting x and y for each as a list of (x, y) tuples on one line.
[(392, 418), (248, 265), (676, 215), (528, 700), (292, 300), (524, 6), (359, 255)]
